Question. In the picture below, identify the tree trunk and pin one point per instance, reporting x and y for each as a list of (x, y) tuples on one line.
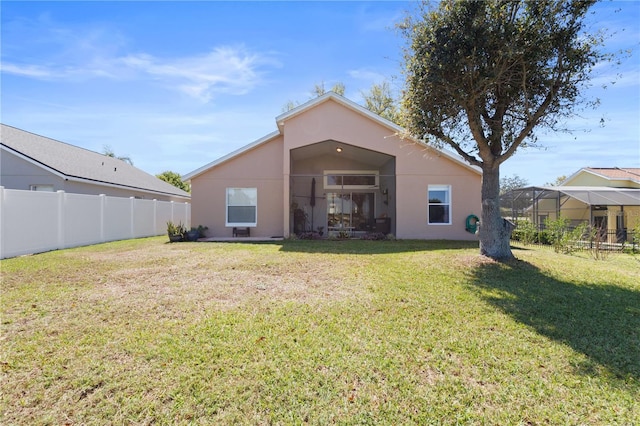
[(495, 232)]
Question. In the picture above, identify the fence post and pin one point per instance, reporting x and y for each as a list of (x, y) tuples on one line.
[(61, 221), (103, 206), (132, 222), (2, 234), (155, 216)]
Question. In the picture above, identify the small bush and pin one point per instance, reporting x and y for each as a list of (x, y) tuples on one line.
[(526, 233), (309, 236), (374, 236), (562, 238)]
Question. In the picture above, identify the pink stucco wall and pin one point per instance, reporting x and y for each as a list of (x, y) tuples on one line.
[(268, 168), (259, 168), (416, 167)]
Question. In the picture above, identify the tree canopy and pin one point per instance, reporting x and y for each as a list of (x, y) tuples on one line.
[(482, 75), (557, 182), (174, 179), (108, 151), (509, 183), (380, 100)]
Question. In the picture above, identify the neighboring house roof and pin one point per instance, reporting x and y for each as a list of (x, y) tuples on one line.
[(280, 120), (74, 163), (591, 195), (609, 173)]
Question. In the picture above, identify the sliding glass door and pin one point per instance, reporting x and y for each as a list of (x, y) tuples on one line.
[(353, 211)]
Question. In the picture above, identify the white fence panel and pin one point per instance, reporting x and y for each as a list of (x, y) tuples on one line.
[(117, 218), (81, 220), (163, 215), (181, 213), (143, 218), (30, 222), (34, 222)]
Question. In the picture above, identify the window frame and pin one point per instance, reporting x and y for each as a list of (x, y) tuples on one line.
[(446, 188), (35, 187), (374, 173), (227, 205)]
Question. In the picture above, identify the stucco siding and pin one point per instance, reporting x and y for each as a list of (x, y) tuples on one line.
[(332, 121), (282, 169), (412, 210), (260, 168), (18, 173)]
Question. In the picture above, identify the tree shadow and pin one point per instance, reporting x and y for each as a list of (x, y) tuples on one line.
[(600, 320)]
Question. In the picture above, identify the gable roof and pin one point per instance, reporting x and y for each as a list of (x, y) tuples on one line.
[(329, 96), (609, 173), (617, 173), (74, 163)]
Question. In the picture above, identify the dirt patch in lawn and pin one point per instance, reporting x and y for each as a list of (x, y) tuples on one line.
[(174, 282)]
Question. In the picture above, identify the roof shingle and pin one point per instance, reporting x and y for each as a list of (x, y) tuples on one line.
[(75, 162)]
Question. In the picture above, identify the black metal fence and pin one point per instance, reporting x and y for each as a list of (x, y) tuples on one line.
[(578, 238)]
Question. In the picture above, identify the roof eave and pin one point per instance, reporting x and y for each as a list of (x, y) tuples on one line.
[(33, 161), (80, 179), (129, 187)]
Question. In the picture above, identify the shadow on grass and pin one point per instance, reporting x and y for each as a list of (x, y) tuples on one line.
[(602, 321), (373, 247)]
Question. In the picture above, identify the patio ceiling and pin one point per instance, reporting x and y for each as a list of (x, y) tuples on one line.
[(350, 152)]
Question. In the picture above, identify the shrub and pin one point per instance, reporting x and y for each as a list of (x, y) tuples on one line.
[(309, 235), (374, 236), (526, 232), (561, 237)]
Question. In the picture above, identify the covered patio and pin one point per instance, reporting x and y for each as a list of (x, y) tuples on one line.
[(615, 212), (341, 190)]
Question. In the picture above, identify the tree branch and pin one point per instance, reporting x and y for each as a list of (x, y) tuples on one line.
[(449, 141)]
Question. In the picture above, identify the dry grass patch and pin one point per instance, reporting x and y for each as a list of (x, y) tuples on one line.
[(176, 281)]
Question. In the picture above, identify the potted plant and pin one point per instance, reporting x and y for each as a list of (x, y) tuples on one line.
[(192, 235), (202, 231), (175, 232)]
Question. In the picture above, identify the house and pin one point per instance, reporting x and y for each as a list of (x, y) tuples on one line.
[(336, 168), (37, 163), (606, 198)]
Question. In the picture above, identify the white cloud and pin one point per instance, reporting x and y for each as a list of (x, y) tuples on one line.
[(225, 69), (367, 75), (33, 71), (232, 70)]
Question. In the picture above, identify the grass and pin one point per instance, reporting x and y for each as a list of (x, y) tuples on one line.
[(318, 332)]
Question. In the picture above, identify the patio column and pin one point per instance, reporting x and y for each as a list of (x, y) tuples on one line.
[(612, 220), (286, 191), (286, 183)]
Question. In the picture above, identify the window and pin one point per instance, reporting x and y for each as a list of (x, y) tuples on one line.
[(439, 204), (242, 207), (44, 188), (351, 179)]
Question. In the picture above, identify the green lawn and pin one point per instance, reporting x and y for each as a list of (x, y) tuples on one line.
[(318, 332)]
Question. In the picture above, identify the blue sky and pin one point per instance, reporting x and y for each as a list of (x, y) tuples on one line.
[(175, 85)]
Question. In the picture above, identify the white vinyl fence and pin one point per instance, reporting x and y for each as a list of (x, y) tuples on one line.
[(35, 222)]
